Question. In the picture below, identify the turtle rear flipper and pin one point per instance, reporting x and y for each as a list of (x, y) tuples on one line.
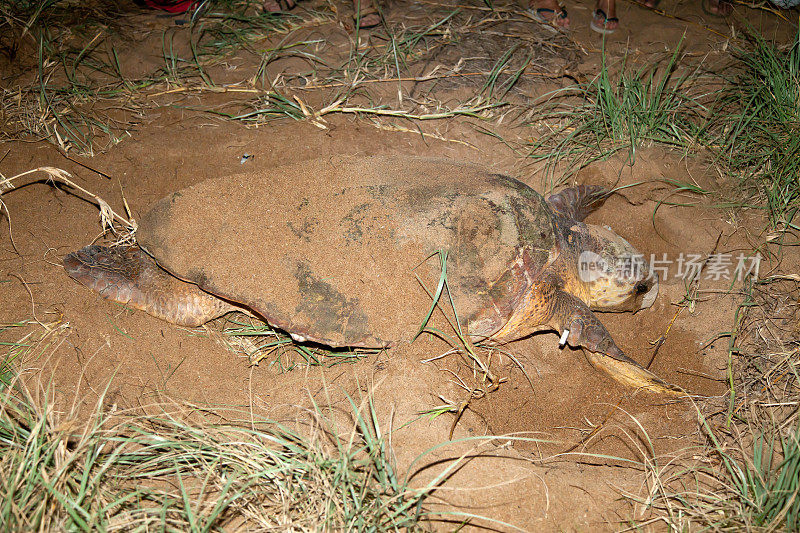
[(586, 331), (576, 203), (131, 277), (632, 374)]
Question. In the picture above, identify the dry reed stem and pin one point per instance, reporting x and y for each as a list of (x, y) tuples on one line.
[(109, 218)]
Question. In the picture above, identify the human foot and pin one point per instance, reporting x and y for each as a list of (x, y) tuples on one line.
[(604, 18), (718, 8), (277, 6), (366, 14), (549, 12)]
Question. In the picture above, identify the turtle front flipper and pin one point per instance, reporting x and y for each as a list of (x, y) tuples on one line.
[(131, 277), (575, 203), (586, 331)]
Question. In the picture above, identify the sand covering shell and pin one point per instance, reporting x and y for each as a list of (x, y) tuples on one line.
[(327, 249)]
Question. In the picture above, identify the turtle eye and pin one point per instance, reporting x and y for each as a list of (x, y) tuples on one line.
[(642, 287)]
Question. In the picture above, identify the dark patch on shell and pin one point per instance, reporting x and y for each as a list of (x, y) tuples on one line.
[(304, 230), (197, 275), (352, 222), (328, 309), (379, 192), (506, 181), (530, 222)]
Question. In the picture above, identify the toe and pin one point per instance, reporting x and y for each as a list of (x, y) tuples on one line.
[(370, 21)]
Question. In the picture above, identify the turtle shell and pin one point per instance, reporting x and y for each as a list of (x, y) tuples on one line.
[(337, 250)]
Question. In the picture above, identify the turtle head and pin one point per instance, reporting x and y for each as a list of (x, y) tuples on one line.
[(615, 276)]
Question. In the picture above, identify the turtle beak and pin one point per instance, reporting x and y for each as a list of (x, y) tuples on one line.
[(650, 296)]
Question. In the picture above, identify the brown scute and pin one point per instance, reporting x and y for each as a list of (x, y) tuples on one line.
[(360, 227)]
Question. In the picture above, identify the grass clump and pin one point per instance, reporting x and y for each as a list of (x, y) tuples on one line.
[(653, 104), (26, 340), (84, 97), (262, 343), (746, 477), (769, 486), (62, 42), (129, 472), (758, 121)]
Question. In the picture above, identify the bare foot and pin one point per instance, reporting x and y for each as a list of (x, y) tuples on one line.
[(604, 18), (366, 14), (719, 8), (549, 11), (277, 6)]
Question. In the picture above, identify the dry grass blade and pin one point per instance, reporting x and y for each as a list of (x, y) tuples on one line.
[(746, 476), (123, 228), (126, 472), (181, 470), (261, 343)]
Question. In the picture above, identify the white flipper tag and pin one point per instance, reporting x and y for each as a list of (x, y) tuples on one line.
[(563, 339)]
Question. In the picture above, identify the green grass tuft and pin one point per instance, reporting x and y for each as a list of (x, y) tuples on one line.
[(653, 104), (758, 121), (164, 473), (262, 343)]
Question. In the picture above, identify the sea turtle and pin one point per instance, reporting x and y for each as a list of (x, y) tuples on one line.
[(336, 251)]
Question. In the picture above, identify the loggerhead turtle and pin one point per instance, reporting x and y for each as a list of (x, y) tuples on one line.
[(329, 250)]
